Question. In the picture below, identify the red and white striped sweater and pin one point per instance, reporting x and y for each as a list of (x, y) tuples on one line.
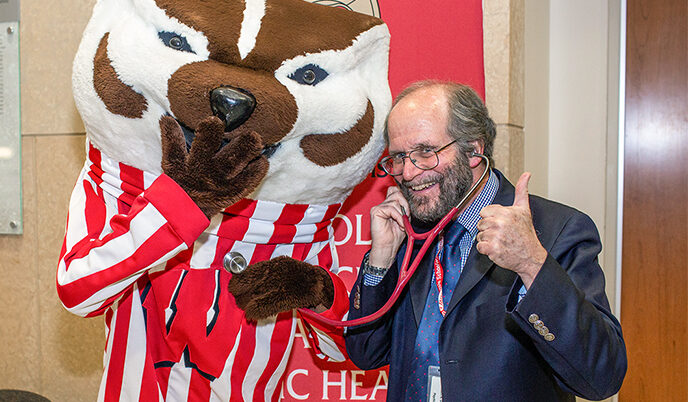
[(138, 250)]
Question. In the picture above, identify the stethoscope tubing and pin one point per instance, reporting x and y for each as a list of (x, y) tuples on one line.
[(408, 268)]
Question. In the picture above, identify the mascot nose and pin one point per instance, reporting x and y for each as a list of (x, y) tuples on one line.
[(234, 106)]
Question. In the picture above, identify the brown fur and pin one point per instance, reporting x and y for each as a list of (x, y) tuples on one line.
[(289, 28), (119, 98), (281, 284), (189, 95), (331, 149), (213, 177)]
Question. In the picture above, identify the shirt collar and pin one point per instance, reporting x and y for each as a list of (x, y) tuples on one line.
[(470, 216)]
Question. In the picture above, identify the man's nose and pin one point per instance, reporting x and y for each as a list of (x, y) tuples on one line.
[(410, 171)]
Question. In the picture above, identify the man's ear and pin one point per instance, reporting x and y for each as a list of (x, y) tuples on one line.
[(478, 148)]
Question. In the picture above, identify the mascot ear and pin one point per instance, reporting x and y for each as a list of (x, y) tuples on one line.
[(270, 287)]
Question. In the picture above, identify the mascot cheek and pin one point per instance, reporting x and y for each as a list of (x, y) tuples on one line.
[(332, 149), (118, 97), (190, 87)]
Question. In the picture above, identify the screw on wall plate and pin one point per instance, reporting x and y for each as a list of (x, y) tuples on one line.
[(13, 224), (10, 30)]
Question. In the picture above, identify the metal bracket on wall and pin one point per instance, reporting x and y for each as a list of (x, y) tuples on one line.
[(10, 121)]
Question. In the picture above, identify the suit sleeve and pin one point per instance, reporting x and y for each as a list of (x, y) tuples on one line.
[(586, 349), (369, 345), (107, 248)]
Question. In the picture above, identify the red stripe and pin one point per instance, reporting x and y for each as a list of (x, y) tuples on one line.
[(199, 388), (163, 376), (278, 348), (243, 207), (132, 183), (262, 252), (119, 350), (150, 251), (245, 351), (94, 155), (284, 228), (292, 214), (332, 211), (95, 211), (149, 382), (236, 226)]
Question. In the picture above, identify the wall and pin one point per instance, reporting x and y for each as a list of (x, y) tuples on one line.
[(571, 101), (44, 348)]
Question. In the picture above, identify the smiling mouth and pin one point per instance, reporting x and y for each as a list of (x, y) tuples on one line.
[(189, 136), (421, 187)]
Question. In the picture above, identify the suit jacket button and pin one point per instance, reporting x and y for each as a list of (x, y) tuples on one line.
[(543, 331), (533, 318), (538, 324), (549, 337), (357, 298)]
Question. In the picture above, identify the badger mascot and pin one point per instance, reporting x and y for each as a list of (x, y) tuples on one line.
[(220, 134)]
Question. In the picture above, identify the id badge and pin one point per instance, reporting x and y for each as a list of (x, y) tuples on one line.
[(434, 384)]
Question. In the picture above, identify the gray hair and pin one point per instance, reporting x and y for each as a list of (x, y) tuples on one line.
[(468, 119)]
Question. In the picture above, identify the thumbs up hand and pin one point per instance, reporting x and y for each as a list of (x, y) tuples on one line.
[(507, 236)]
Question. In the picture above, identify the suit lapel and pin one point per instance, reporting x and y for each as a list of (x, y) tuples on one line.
[(478, 265), (475, 269)]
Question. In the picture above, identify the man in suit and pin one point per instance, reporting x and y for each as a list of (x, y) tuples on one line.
[(509, 303)]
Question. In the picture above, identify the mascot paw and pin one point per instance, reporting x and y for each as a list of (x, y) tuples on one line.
[(281, 284), (214, 176)]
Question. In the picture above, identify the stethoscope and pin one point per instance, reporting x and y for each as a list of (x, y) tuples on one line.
[(407, 267)]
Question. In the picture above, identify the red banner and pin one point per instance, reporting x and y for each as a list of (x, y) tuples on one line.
[(435, 39)]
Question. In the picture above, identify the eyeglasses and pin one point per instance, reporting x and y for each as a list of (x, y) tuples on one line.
[(423, 158)]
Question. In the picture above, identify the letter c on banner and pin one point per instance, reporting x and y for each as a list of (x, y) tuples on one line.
[(290, 387)]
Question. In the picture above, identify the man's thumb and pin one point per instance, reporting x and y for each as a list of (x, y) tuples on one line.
[(521, 194)]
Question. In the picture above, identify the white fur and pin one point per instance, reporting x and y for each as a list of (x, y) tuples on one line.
[(250, 26), (357, 75), (141, 61)]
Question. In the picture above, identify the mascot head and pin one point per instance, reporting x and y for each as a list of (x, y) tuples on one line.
[(310, 80)]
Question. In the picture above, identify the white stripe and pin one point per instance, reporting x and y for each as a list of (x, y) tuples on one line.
[(245, 249), (314, 254), (108, 355), (135, 359), (205, 247), (261, 355), (250, 26), (267, 211), (118, 249), (306, 229), (335, 256), (328, 346), (222, 386), (271, 386), (179, 382), (76, 224), (283, 249), (94, 301)]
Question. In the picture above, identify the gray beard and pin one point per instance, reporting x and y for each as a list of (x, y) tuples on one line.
[(454, 182)]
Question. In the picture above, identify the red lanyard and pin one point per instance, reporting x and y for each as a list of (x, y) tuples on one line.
[(439, 276)]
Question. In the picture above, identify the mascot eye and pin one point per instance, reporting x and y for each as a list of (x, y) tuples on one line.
[(309, 74), (175, 41)]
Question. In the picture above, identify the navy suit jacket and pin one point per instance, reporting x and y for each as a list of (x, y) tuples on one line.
[(488, 348)]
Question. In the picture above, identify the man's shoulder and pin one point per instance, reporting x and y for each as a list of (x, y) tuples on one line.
[(551, 219)]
